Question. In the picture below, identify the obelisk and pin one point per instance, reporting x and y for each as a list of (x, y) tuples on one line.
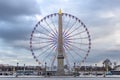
[(60, 57)]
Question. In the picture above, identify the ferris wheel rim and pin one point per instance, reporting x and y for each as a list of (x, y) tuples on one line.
[(55, 14)]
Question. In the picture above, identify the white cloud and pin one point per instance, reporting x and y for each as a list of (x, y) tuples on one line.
[(111, 14), (117, 36)]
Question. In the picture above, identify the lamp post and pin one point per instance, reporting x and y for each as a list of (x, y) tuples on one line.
[(17, 66), (74, 70), (24, 69), (74, 67), (90, 69), (85, 70), (96, 68), (104, 70), (45, 69)]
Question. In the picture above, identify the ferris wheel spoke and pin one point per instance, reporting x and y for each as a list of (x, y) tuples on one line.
[(74, 50), (73, 30), (80, 48), (70, 27), (42, 42), (77, 53), (72, 45), (78, 43), (56, 31), (66, 25), (68, 36), (54, 26), (68, 22), (76, 38), (67, 50), (67, 47), (45, 50), (66, 57), (48, 54), (46, 34), (54, 57), (46, 30), (44, 46), (50, 28), (43, 38)]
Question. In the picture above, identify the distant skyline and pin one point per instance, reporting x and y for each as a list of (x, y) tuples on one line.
[(18, 18)]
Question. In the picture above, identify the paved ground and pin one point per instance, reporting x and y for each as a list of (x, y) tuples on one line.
[(58, 78)]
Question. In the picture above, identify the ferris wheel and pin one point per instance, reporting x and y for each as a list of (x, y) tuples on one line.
[(75, 37)]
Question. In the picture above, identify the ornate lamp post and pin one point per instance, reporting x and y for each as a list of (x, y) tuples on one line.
[(24, 69), (17, 65), (96, 69), (74, 70), (45, 69)]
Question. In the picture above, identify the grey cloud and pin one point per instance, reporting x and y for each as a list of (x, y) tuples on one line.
[(13, 22), (7, 55), (11, 35), (89, 11), (15, 34), (105, 4), (14, 8), (100, 55), (92, 6), (17, 19), (11, 32)]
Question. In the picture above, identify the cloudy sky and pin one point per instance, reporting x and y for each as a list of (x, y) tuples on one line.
[(18, 18)]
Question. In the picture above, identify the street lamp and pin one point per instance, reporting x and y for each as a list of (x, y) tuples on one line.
[(96, 68), (74, 67), (24, 69), (104, 70), (17, 66), (45, 69), (91, 69), (74, 70)]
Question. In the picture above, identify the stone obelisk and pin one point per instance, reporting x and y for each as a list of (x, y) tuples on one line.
[(60, 57)]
